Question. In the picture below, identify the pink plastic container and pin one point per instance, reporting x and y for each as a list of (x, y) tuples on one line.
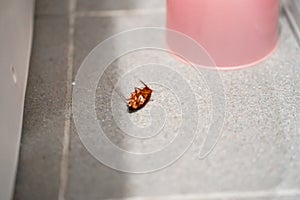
[(236, 33)]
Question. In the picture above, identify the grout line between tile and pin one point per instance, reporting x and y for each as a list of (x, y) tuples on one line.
[(119, 13), (224, 195), (68, 99)]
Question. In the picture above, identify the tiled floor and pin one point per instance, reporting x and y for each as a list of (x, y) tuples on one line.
[(257, 156)]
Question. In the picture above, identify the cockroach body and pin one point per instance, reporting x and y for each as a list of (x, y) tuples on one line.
[(139, 98)]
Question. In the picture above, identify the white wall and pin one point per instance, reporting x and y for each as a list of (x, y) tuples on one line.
[(16, 21)]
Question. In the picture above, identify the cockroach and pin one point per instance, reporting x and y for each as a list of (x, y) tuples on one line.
[(139, 98)]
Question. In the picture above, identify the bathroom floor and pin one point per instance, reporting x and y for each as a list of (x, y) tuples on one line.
[(257, 155)]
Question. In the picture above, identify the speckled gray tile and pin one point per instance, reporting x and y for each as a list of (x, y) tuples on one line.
[(51, 7), (263, 114), (40, 154), (91, 31), (220, 196), (86, 174), (88, 178), (91, 5), (259, 147)]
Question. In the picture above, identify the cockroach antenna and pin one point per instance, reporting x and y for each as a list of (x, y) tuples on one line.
[(117, 91), (121, 95), (145, 85)]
